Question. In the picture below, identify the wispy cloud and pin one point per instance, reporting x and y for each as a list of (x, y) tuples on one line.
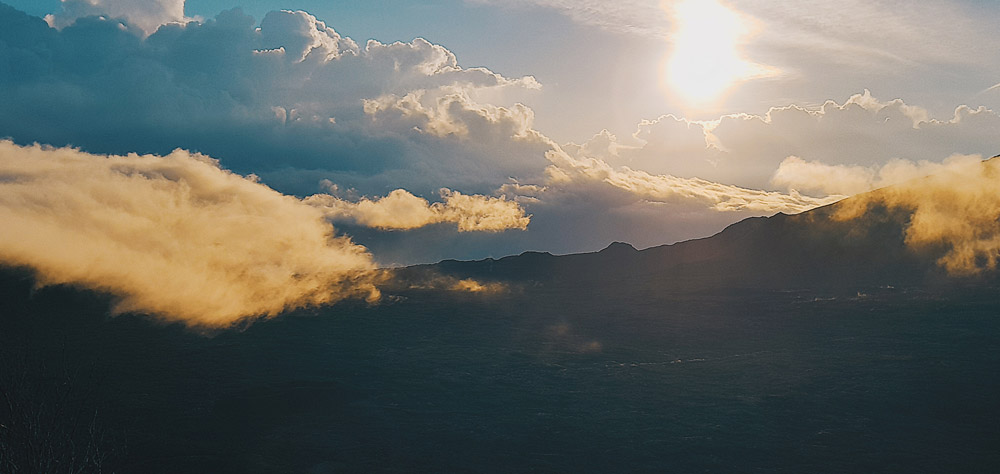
[(884, 34), (643, 17), (595, 180)]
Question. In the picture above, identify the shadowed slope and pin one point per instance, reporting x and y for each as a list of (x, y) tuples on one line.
[(820, 248)]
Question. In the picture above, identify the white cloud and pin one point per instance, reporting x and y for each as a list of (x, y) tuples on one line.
[(449, 112), (814, 176), (300, 35), (599, 181), (863, 132), (147, 15), (817, 177)]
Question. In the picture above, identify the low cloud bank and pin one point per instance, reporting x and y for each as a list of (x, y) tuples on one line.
[(175, 236), (956, 207), (815, 176), (593, 179)]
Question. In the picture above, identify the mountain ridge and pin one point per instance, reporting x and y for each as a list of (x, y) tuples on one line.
[(818, 248)]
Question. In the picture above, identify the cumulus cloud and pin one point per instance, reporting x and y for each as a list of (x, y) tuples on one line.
[(453, 113), (175, 236), (147, 15), (400, 210), (291, 100), (297, 35), (955, 208), (863, 132)]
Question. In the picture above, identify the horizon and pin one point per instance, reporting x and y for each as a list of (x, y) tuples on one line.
[(538, 157), (154, 131), (499, 236)]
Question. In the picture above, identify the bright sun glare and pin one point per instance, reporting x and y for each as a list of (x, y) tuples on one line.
[(705, 60)]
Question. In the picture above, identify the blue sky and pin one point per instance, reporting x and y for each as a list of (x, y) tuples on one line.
[(554, 125)]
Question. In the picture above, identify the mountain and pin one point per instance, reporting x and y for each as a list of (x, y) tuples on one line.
[(816, 249)]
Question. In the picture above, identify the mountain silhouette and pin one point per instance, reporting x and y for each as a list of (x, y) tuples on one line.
[(815, 249)]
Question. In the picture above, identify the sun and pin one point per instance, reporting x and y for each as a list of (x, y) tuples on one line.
[(705, 59)]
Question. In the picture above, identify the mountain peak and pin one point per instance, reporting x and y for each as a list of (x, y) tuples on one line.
[(619, 247)]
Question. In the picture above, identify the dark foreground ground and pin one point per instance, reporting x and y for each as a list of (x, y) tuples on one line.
[(543, 378)]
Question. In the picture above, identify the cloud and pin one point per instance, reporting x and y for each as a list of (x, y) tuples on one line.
[(147, 15), (400, 210), (863, 132), (292, 101), (600, 181), (955, 208), (175, 236), (882, 35), (851, 32), (298, 36), (625, 16), (454, 114), (815, 176), (295, 103)]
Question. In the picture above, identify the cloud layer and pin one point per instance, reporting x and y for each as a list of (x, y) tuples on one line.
[(594, 178), (955, 208), (747, 149), (850, 32), (174, 235), (821, 178)]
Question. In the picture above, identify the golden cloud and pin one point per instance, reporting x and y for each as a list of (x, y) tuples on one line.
[(957, 208), (175, 235), (401, 210)]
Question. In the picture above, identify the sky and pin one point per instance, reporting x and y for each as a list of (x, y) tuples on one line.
[(410, 132)]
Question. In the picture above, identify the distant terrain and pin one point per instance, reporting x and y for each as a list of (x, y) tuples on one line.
[(783, 344)]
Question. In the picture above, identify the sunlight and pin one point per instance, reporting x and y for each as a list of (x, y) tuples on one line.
[(705, 60)]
